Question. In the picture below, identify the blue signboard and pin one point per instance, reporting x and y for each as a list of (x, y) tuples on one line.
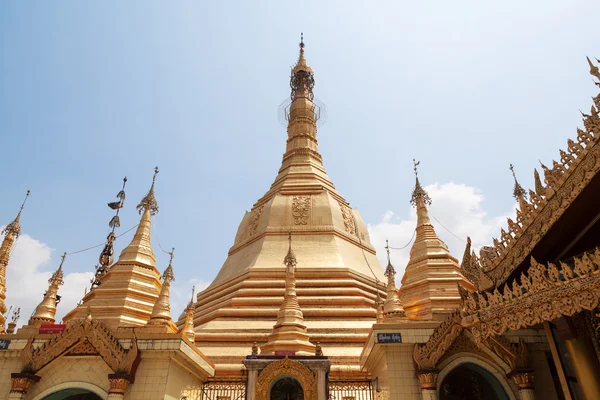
[(4, 343)]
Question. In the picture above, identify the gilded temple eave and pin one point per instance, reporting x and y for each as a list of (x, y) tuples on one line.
[(564, 182)]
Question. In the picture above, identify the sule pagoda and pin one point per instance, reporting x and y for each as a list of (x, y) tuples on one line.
[(302, 309)]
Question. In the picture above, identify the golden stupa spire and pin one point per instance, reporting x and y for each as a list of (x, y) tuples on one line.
[(140, 251), (106, 256), (161, 313), (45, 311), (11, 232), (188, 327), (392, 309), (429, 286), (518, 192), (289, 333)]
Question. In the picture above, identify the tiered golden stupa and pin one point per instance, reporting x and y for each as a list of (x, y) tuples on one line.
[(429, 287), (337, 272)]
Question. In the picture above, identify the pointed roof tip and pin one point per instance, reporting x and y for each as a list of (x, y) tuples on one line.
[(419, 195), (518, 190), (15, 225), (301, 64), (168, 273), (594, 70), (389, 270), (149, 202)]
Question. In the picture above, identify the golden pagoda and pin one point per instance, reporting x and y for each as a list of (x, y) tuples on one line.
[(519, 320), (129, 289), (336, 282), (429, 287)]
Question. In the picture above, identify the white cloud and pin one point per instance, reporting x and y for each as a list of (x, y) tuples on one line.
[(457, 206), (27, 279)]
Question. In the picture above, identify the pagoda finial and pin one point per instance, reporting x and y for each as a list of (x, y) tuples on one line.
[(149, 201), (140, 248), (161, 313), (389, 270), (419, 194), (302, 80), (106, 256), (188, 327), (46, 310), (15, 226)]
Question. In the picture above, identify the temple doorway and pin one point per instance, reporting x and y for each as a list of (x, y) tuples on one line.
[(286, 388), (471, 382), (73, 394)]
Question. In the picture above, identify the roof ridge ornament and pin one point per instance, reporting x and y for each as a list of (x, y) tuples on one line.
[(518, 190), (418, 192), (149, 202)]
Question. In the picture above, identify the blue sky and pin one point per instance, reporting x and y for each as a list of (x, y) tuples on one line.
[(94, 91)]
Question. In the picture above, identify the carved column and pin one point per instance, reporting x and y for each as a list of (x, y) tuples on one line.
[(524, 379), (20, 384), (428, 384), (118, 385)]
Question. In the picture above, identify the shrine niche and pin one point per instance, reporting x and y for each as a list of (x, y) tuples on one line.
[(286, 376)]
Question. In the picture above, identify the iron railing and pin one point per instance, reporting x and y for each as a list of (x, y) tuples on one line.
[(350, 390), (222, 390)]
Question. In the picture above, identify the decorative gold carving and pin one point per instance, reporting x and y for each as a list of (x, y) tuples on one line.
[(287, 367), (524, 380), (349, 223), (544, 293), (254, 218), (118, 383), (301, 209), (92, 331), (564, 182), (82, 348), (427, 355), (514, 354), (428, 380), (20, 383)]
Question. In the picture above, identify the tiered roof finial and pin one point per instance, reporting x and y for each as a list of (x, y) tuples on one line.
[(518, 190), (149, 201), (594, 70), (106, 256), (419, 192), (46, 310), (389, 270)]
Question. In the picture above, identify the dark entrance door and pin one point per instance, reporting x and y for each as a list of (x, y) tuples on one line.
[(471, 382), (286, 389)]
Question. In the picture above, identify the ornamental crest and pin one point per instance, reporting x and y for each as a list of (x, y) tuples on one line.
[(349, 223), (301, 209)]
